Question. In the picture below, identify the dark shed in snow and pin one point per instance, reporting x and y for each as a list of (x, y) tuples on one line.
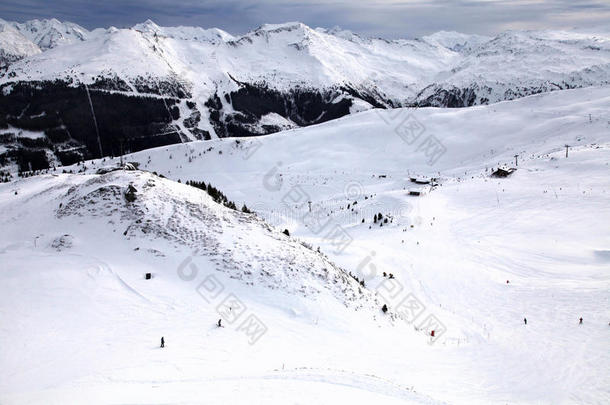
[(503, 172)]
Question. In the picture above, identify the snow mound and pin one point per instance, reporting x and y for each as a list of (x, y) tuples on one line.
[(239, 244)]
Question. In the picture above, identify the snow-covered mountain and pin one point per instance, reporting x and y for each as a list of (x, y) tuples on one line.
[(519, 63), (206, 83), (51, 33), (20, 40), (160, 217), (473, 256), (13, 45), (286, 55), (213, 35)]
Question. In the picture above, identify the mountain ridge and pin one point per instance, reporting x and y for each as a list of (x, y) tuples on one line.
[(212, 84)]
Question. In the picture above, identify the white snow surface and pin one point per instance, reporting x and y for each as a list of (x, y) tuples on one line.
[(79, 323)]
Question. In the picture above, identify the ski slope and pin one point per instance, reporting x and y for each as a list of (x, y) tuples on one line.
[(80, 323)]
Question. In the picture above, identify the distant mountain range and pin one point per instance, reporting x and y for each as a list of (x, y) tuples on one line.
[(150, 85)]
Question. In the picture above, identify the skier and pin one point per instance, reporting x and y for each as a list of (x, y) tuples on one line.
[(525, 321), (580, 323), (162, 342), (219, 324)]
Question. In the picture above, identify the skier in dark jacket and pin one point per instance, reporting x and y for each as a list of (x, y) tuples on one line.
[(219, 324), (580, 323), (525, 321), (162, 342)]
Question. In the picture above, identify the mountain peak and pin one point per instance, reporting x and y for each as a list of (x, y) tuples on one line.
[(49, 33), (456, 41), (14, 45), (341, 33), (147, 26), (288, 26)]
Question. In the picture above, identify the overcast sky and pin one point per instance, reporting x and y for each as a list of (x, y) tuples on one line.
[(383, 18)]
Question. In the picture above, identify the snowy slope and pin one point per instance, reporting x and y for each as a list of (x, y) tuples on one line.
[(13, 45), (384, 142), (100, 55), (456, 41), (544, 229), (51, 33), (213, 35), (276, 77), (90, 248), (239, 244), (20, 40), (519, 63)]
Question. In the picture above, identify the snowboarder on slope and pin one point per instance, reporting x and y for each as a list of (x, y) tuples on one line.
[(162, 342), (219, 324), (525, 321), (580, 323)]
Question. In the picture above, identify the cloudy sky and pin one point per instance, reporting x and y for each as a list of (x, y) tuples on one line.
[(385, 18)]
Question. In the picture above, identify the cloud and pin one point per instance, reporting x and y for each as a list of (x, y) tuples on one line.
[(387, 18)]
